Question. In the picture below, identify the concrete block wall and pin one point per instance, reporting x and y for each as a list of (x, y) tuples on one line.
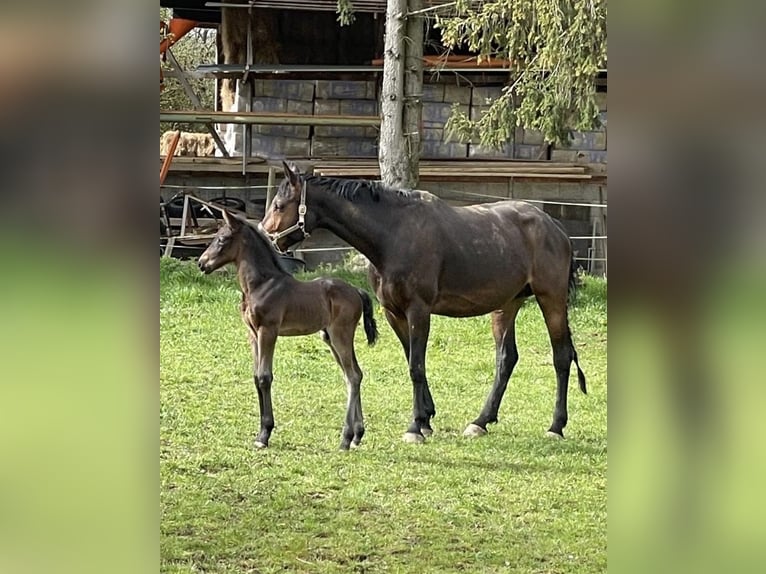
[(586, 146), (437, 103), (359, 97), (307, 97), (347, 98)]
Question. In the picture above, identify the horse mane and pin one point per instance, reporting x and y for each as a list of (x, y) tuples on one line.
[(270, 249), (361, 189)]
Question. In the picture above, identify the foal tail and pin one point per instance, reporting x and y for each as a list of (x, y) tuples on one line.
[(370, 326), (571, 298)]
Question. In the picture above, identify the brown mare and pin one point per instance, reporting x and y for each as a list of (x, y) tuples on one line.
[(275, 303), (428, 257)]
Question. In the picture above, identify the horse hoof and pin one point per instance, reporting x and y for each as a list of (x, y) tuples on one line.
[(473, 431), (355, 444), (260, 445), (426, 432), (556, 435), (413, 438)]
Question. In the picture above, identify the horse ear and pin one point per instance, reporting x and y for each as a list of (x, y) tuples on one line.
[(291, 173)]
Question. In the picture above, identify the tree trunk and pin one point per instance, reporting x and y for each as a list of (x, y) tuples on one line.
[(399, 150), (413, 89)]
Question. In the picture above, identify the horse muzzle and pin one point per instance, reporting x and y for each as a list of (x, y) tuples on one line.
[(202, 263)]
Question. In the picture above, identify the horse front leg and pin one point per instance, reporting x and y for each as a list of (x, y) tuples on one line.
[(266, 342), (401, 329), (419, 326)]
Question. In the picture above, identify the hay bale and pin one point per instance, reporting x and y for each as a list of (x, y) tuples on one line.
[(189, 144), (265, 47)]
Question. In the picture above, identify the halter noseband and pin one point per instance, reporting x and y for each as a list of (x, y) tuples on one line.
[(300, 224)]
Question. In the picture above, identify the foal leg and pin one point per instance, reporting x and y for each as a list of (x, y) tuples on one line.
[(401, 328), (341, 341), (555, 313), (266, 342), (506, 356)]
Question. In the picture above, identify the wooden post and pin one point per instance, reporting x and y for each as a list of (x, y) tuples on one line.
[(270, 187), (413, 89)]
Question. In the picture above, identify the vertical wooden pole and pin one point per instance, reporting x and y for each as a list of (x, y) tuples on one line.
[(413, 88), (270, 183)]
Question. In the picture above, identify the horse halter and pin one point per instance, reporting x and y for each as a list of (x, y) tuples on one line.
[(300, 224)]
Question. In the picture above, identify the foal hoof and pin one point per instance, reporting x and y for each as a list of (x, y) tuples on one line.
[(426, 432), (473, 431), (259, 445), (555, 435), (413, 438)]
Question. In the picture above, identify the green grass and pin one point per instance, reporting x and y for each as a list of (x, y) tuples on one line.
[(512, 501)]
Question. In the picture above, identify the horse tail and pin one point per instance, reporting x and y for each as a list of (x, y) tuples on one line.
[(580, 374), (370, 326), (572, 289), (572, 296)]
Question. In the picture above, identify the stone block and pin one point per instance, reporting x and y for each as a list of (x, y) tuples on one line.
[(281, 106), (479, 151), (436, 114), (527, 151), (432, 134), (280, 146), (601, 101), (485, 95), (440, 149), (346, 131), (269, 105), (565, 155), (302, 132), (588, 141), (358, 107), (477, 112), (347, 147), (532, 137), (302, 90), (327, 107), (457, 94), (345, 90), (298, 107), (433, 92)]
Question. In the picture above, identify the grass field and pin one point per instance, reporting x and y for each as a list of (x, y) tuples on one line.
[(512, 501)]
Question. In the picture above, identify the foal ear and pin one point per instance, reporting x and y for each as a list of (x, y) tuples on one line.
[(291, 173), (231, 220)]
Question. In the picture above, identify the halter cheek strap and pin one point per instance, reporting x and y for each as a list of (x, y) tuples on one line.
[(300, 224)]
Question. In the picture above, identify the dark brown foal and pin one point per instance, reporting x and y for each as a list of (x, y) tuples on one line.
[(275, 303)]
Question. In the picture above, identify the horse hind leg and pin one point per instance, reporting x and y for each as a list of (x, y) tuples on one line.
[(506, 357), (555, 313), (265, 343), (341, 341)]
